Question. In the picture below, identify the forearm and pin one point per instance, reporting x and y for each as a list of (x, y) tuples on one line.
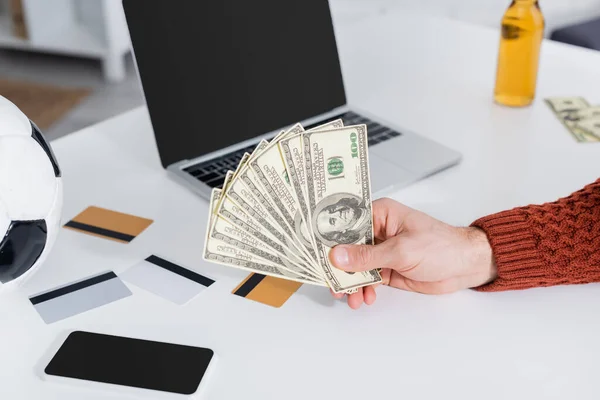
[(545, 245)]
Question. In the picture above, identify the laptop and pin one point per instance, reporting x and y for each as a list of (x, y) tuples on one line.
[(220, 76)]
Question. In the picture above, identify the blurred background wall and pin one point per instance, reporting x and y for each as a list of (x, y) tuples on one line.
[(558, 13), (67, 63)]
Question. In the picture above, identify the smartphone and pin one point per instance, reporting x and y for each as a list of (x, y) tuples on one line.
[(131, 364)]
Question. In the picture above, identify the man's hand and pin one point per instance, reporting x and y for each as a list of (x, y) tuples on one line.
[(417, 253)]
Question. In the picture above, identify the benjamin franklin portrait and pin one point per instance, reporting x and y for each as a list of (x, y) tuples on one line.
[(342, 218)]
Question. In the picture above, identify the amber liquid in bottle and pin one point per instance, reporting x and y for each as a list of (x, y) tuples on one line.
[(518, 58)]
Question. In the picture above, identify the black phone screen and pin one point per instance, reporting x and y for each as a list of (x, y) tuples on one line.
[(131, 362)]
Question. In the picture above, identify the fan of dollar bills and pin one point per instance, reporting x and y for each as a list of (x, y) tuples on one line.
[(292, 200)]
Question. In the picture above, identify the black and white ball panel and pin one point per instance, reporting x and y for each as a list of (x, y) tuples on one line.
[(21, 247), (41, 140)]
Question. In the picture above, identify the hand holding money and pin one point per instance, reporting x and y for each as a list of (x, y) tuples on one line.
[(291, 201), (417, 253)]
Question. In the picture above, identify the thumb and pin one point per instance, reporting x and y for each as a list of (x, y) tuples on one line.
[(353, 258)]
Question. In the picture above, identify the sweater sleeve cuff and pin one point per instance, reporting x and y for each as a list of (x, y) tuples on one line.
[(514, 247)]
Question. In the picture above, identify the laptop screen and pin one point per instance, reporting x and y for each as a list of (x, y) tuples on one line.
[(215, 73)]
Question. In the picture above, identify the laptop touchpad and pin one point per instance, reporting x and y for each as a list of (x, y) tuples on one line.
[(384, 175)]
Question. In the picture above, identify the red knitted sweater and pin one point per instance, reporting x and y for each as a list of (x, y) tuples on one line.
[(544, 245)]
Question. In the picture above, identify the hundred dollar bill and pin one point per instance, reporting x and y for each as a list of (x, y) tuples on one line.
[(224, 231), (244, 199), (590, 126), (242, 163), (217, 244), (216, 247), (587, 113), (232, 175), (587, 121), (339, 199), (221, 252), (228, 178), (255, 194), (273, 181), (263, 145), (570, 110), (236, 223), (561, 104), (231, 212), (241, 196), (290, 149)]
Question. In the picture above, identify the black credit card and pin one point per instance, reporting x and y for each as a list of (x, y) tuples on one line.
[(131, 362)]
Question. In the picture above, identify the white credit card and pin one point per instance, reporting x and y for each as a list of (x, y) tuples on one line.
[(166, 279), (79, 296)]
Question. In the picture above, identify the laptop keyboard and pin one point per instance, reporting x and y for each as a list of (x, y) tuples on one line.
[(377, 133), (212, 172)]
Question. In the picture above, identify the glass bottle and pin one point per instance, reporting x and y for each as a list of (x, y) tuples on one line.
[(518, 57)]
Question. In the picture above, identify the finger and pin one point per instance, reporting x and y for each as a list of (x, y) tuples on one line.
[(354, 258), (369, 295), (386, 275), (388, 218), (336, 295), (355, 300)]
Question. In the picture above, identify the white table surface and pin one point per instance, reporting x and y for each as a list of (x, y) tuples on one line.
[(428, 75)]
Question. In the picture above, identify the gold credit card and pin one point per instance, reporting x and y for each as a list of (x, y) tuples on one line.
[(109, 224), (268, 290)]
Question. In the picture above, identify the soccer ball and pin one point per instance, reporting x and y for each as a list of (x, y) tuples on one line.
[(30, 196)]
